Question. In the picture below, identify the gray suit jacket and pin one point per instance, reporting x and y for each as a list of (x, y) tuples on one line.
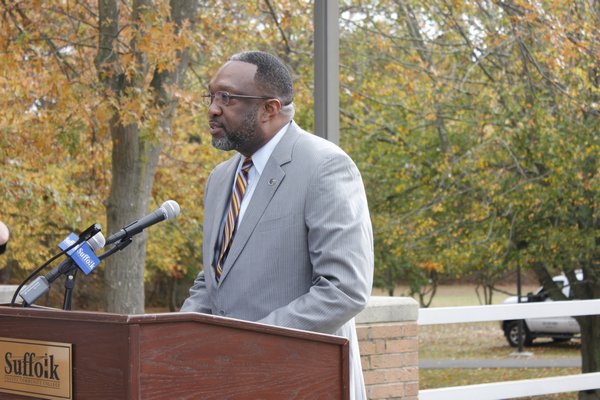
[(302, 256)]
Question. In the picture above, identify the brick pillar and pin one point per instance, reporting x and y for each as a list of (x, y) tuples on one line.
[(388, 340)]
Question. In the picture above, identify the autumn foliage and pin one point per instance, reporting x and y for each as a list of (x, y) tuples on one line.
[(474, 123)]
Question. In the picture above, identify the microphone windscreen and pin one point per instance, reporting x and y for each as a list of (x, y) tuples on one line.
[(171, 209), (97, 241)]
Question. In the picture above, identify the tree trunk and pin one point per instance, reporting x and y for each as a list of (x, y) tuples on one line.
[(589, 325), (590, 351), (134, 161), (136, 150)]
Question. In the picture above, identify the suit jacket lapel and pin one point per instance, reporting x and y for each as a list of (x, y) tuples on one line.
[(269, 182)]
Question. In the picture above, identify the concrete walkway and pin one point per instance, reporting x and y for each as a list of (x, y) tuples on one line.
[(516, 362)]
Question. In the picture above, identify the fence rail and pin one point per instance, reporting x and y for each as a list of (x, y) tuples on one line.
[(502, 312), (511, 389)]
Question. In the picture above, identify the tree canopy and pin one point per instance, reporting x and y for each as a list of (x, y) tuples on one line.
[(477, 126)]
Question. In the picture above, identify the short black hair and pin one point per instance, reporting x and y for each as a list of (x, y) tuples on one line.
[(272, 75)]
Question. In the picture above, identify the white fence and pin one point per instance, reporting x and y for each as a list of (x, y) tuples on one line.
[(512, 389)]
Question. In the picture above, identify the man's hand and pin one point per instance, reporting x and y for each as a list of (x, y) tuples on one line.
[(4, 234)]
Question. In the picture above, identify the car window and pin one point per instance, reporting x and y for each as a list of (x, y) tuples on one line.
[(540, 290), (540, 293)]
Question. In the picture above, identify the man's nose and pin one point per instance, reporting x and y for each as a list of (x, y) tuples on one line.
[(214, 108)]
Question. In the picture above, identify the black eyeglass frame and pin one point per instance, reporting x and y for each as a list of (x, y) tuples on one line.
[(225, 97)]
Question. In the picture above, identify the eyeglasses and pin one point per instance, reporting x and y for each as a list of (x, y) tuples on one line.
[(223, 98)]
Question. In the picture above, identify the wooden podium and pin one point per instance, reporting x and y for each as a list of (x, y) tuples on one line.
[(182, 356)]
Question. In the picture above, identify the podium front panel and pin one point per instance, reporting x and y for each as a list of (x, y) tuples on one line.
[(185, 356), (217, 362)]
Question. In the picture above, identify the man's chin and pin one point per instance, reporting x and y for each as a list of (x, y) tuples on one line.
[(222, 143)]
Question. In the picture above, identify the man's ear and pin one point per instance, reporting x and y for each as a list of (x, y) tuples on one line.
[(271, 109)]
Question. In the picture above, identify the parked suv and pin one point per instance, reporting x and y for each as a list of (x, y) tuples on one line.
[(558, 328)]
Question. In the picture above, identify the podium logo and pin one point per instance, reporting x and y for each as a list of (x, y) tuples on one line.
[(29, 365), (32, 368)]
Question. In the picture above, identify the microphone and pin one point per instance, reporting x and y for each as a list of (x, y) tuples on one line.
[(79, 258), (168, 210), (41, 284), (90, 233)]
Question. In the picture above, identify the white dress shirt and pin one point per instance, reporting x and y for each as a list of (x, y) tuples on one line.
[(259, 160)]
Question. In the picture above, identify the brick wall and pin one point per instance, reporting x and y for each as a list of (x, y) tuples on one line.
[(388, 341)]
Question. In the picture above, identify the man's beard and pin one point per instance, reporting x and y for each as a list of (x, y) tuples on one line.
[(238, 139)]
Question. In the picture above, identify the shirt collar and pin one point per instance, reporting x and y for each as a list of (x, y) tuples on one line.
[(261, 156)]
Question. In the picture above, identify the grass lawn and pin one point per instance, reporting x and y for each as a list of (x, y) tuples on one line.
[(433, 378), (482, 340)]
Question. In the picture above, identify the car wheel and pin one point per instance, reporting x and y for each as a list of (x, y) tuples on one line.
[(511, 331)]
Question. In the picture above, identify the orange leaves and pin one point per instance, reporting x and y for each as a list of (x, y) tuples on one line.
[(430, 265), (158, 38)]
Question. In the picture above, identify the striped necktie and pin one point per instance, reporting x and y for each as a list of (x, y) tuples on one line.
[(241, 183)]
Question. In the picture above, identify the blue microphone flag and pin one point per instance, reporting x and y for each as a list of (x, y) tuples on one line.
[(83, 255)]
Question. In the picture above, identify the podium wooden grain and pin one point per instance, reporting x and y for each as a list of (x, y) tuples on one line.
[(185, 356)]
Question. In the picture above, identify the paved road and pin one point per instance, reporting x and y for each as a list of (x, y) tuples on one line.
[(516, 362)]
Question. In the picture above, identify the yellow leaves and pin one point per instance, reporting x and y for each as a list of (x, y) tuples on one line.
[(488, 130), (481, 164), (430, 116), (592, 149), (133, 106), (101, 115), (395, 69), (161, 46), (458, 5), (399, 188)]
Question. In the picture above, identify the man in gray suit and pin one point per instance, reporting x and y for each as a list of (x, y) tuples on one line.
[(287, 234)]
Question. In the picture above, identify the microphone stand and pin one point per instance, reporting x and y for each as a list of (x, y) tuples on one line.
[(84, 236), (72, 274), (36, 271), (69, 285)]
